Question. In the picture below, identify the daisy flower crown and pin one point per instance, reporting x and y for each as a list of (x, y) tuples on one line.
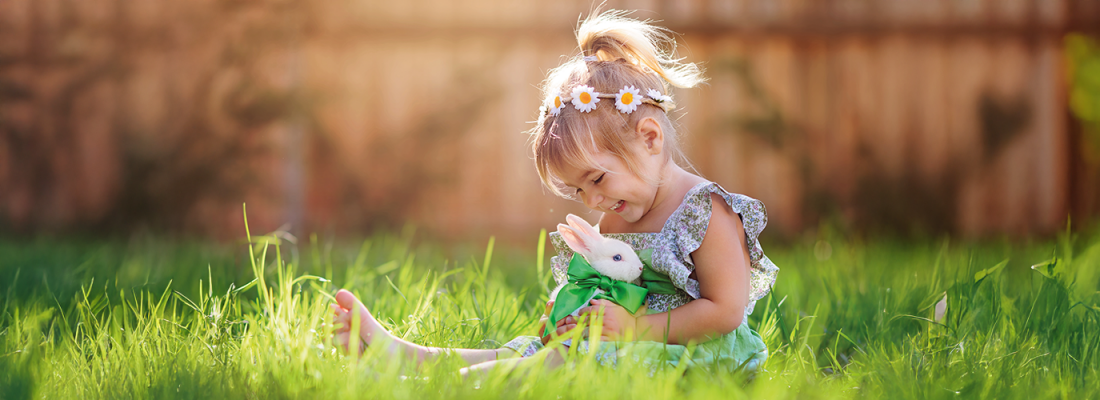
[(584, 99)]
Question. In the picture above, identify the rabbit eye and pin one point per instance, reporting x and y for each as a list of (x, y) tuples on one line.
[(617, 257)]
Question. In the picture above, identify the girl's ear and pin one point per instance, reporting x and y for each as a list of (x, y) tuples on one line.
[(582, 226), (573, 239), (651, 134)]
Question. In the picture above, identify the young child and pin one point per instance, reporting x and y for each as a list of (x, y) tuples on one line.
[(604, 137)]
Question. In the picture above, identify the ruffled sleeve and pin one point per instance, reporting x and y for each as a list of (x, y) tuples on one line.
[(687, 226), (559, 264)]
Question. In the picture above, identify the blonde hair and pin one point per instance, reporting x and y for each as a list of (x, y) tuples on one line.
[(627, 52)]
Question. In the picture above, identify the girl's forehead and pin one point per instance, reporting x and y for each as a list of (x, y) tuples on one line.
[(578, 170), (571, 174)]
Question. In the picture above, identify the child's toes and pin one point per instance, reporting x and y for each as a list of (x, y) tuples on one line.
[(336, 310), (343, 341), (340, 340), (347, 301), (340, 316)]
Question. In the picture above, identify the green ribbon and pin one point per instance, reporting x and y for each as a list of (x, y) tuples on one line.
[(656, 282), (583, 280)]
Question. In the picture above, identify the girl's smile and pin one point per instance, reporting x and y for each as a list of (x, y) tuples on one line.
[(629, 202), (609, 186), (618, 207)]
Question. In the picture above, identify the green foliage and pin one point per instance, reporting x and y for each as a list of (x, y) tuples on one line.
[(1084, 57), (845, 320), (1083, 62)]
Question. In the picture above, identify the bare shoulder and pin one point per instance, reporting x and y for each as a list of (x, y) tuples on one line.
[(725, 229)]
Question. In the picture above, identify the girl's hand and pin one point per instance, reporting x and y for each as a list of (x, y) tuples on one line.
[(617, 321), (543, 321), (562, 327)]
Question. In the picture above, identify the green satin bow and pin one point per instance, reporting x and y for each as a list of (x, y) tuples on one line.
[(656, 282), (583, 280)]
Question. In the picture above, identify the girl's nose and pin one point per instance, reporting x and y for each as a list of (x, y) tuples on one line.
[(593, 200)]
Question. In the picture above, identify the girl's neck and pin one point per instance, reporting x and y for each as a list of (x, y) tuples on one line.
[(675, 182)]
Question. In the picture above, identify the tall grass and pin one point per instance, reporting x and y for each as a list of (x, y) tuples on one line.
[(847, 319)]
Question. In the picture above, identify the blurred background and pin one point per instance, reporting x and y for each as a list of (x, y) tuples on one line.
[(974, 118)]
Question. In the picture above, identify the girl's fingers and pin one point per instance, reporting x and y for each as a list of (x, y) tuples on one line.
[(590, 310), (546, 320), (562, 330), (569, 319)]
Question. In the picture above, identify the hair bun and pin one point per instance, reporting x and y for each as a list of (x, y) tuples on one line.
[(611, 36)]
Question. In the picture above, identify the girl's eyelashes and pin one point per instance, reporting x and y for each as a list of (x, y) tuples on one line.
[(595, 181)]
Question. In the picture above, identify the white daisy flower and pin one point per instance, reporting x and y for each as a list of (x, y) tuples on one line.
[(585, 98), (628, 99), (657, 96), (555, 104)]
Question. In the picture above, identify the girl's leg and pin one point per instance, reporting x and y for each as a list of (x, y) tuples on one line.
[(552, 361), (372, 332)]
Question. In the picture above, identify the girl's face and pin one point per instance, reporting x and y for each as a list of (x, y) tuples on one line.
[(610, 187)]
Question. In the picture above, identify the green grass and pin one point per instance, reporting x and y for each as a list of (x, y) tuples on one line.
[(847, 319)]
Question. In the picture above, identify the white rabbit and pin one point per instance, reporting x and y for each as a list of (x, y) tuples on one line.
[(613, 258)]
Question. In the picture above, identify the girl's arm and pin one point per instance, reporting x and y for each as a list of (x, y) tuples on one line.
[(722, 269)]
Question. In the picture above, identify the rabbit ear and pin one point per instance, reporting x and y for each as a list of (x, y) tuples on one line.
[(573, 238), (582, 226)]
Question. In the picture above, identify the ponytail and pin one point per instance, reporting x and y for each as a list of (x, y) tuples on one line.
[(611, 36)]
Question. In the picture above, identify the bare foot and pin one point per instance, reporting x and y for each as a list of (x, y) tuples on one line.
[(346, 307)]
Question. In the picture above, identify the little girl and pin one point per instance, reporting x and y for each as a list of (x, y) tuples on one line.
[(604, 137)]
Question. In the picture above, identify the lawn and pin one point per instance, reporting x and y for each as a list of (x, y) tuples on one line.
[(848, 318)]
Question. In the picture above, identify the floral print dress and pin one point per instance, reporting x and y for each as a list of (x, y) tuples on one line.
[(681, 235)]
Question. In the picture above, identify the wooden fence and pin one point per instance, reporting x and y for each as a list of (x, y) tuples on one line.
[(341, 116)]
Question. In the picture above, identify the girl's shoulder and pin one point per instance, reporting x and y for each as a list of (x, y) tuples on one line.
[(687, 226), (690, 220)]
